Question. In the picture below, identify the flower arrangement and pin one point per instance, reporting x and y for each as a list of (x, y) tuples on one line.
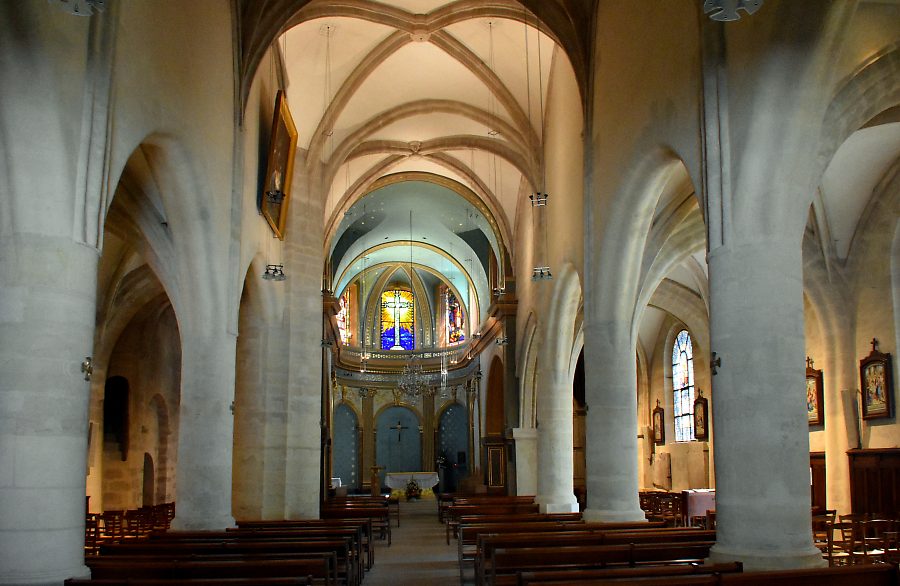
[(413, 491)]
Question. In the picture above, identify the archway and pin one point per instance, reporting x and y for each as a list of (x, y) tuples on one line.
[(398, 441), (148, 498), (345, 446), (579, 409)]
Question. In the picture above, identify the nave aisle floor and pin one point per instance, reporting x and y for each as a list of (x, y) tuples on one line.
[(419, 554)]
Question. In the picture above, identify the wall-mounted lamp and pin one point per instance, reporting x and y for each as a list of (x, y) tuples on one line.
[(274, 273), (87, 367)]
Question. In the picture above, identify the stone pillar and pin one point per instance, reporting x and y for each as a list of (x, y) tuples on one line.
[(555, 441), (526, 460), (47, 309), (205, 437), (762, 436), (611, 423)]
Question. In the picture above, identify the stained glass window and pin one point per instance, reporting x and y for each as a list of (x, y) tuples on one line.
[(683, 386), (397, 319), (455, 334), (343, 318)]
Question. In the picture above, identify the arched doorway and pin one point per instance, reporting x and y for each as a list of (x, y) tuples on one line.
[(147, 498), (453, 446), (398, 441), (579, 480), (345, 446)]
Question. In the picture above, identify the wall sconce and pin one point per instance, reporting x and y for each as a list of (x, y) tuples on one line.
[(274, 273), (87, 367)]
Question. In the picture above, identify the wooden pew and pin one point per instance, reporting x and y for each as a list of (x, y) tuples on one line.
[(349, 555), (507, 562), (195, 582), (452, 527), (856, 575), (182, 570), (469, 533), (288, 526), (379, 516), (345, 567), (488, 543), (654, 574), (454, 512)]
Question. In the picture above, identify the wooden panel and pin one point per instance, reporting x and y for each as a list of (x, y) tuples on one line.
[(875, 480), (817, 466)]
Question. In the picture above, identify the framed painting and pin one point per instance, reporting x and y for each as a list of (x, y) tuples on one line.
[(276, 186), (876, 384), (815, 395), (701, 418), (659, 425)]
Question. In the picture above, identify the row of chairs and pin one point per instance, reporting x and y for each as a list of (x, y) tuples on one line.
[(115, 526), (664, 506), (857, 539)]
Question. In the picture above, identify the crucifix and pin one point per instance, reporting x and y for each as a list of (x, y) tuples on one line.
[(396, 305), (399, 429)]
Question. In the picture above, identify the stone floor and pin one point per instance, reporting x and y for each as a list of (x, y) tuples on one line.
[(418, 554)]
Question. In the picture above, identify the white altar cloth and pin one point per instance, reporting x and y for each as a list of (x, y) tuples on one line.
[(399, 480)]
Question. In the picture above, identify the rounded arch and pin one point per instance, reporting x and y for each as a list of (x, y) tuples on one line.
[(486, 204), (494, 410), (263, 22), (860, 98)]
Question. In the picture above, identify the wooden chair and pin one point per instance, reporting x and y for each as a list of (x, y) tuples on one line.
[(112, 526), (91, 535), (853, 541), (823, 536)]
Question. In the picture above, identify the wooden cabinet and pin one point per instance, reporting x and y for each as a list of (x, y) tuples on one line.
[(817, 479), (875, 480)]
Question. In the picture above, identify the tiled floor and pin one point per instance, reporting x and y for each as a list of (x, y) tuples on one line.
[(418, 554)]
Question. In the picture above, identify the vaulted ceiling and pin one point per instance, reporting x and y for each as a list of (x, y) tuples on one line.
[(433, 107)]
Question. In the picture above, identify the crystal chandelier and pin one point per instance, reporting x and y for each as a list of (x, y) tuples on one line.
[(412, 382)]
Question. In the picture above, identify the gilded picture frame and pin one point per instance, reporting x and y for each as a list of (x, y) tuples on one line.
[(276, 185), (815, 396), (659, 425), (701, 418), (876, 384)]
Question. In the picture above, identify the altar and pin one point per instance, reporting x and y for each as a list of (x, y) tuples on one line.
[(397, 482)]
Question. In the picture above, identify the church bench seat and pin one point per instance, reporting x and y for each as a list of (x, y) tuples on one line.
[(857, 575), (305, 581), (380, 517), (510, 561), (347, 544), (345, 567), (653, 574), (469, 533), (454, 512), (319, 567), (488, 543), (286, 529)]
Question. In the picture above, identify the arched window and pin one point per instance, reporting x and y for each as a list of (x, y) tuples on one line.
[(343, 318), (397, 319), (683, 386), (455, 334)]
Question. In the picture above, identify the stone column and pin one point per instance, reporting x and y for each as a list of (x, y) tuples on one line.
[(47, 309), (555, 481), (762, 436), (526, 460), (205, 437), (611, 423)]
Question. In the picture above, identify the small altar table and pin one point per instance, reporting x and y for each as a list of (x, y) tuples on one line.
[(397, 482)]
